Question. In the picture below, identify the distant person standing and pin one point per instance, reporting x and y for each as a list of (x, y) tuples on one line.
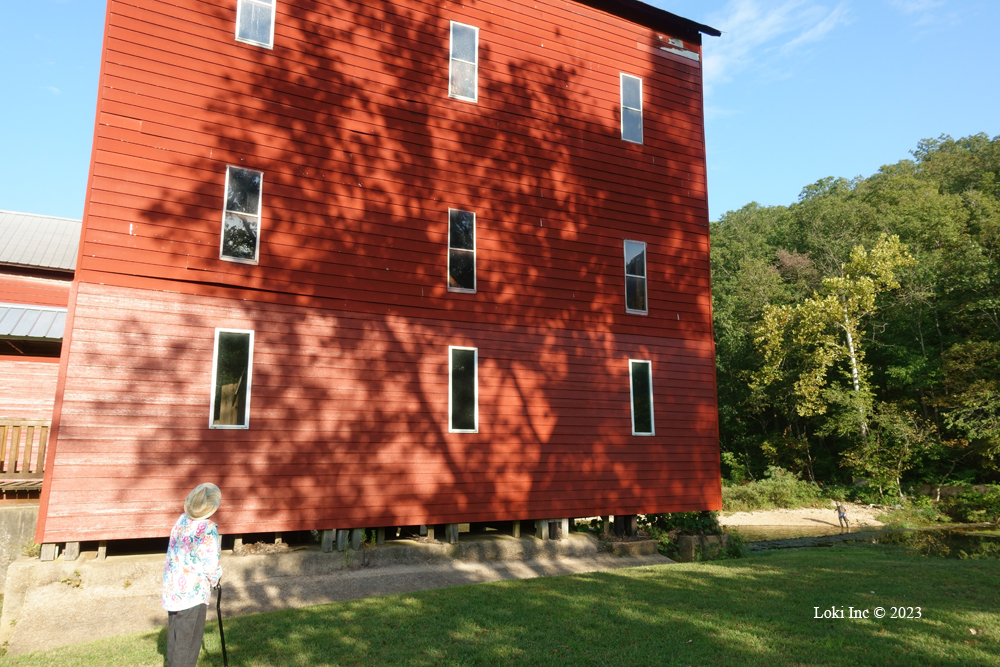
[(191, 571)]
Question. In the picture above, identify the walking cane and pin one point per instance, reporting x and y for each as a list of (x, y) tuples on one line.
[(222, 635)]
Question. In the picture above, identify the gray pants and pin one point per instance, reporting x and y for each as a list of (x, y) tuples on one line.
[(184, 631)]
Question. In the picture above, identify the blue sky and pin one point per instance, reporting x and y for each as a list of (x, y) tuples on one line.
[(796, 90)]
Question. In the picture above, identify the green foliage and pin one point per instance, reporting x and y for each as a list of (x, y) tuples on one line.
[(31, 549), (858, 329), (778, 489), (973, 506), (687, 523)]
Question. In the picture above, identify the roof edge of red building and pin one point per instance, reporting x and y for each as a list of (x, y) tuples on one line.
[(652, 17)]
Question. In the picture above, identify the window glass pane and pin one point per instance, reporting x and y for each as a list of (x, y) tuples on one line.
[(243, 195), (635, 258), (255, 22), (239, 236), (462, 269), (463, 42), (463, 80), (463, 390), (632, 125), (462, 229), (642, 406), (632, 92), (230, 379), (635, 293)]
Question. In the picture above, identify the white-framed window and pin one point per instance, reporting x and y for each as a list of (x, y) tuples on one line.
[(635, 278), (232, 371), (255, 22), (463, 62), (631, 108), (461, 251), (241, 215), (640, 382), (463, 389)]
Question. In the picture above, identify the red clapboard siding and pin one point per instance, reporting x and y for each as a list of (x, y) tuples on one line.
[(348, 419), (28, 388), (363, 153), (33, 291)]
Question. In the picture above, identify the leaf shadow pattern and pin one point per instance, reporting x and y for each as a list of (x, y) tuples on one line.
[(362, 154)]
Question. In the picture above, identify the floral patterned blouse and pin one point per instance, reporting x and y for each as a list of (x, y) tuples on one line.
[(192, 566)]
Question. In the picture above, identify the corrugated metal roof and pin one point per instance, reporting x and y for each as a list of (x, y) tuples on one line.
[(40, 241), (18, 321)]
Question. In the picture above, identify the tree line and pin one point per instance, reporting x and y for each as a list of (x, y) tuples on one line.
[(858, 330)]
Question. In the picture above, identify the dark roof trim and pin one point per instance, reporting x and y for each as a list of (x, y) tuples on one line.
[(653, 17)]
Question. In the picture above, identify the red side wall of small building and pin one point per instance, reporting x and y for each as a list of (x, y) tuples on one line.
[(363, 153), (28, 387)]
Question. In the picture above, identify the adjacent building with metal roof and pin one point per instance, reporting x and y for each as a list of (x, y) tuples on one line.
[(39, 241)]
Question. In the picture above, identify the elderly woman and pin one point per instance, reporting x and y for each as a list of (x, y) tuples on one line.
[(191, 571)]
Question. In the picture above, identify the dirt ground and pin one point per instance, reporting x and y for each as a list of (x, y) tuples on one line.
[(858, 515)]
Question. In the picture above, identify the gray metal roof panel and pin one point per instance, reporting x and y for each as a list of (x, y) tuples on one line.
[(32, 322), (40, 241)]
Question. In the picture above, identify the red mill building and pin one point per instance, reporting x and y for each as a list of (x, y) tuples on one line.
[(389, 264)]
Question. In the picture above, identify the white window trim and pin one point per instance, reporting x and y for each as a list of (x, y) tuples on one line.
[(475, 359), (631, 396), (215, 371), (475, 241), (621, 95), (451, 38), (239, 11), (645, 264), (260, 218)]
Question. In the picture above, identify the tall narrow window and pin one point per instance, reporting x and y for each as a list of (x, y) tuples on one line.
[(463, 390), (463, 67), (241, 218), (631, 108), (255, 22), (641, 385), (635, 277), (461, 251), (232, 366)]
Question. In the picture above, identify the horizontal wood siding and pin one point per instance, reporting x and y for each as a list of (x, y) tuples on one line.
[(28, 388), (348, 421), (32, 291), (363, 153)]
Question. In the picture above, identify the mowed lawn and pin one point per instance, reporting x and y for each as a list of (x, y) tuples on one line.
[(754, 611)]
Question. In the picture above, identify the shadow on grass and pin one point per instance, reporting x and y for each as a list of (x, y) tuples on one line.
[(758, 611)]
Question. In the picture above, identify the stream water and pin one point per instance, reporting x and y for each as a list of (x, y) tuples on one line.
[(974, 541)]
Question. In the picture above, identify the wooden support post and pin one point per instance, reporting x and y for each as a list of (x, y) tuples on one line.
[(451, 533), (343, 536), (631, 525), (542, 529), (423, 531), (72, 551), (357, 538), (237, 542), (277, 538), (50, 551), (563, 529), (380, 536), (619, 525), (102, 550), (515, 529), (606, 525), (428, 531), (326, 540)]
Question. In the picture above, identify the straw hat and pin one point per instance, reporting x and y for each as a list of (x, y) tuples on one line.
[(203, 501)]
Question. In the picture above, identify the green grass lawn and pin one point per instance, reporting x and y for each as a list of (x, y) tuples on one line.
[(754, 611)]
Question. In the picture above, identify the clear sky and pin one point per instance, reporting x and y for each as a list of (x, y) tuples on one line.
[(796, 90)]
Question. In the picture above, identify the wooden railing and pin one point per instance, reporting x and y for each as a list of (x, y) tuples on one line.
[(23, 443)]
